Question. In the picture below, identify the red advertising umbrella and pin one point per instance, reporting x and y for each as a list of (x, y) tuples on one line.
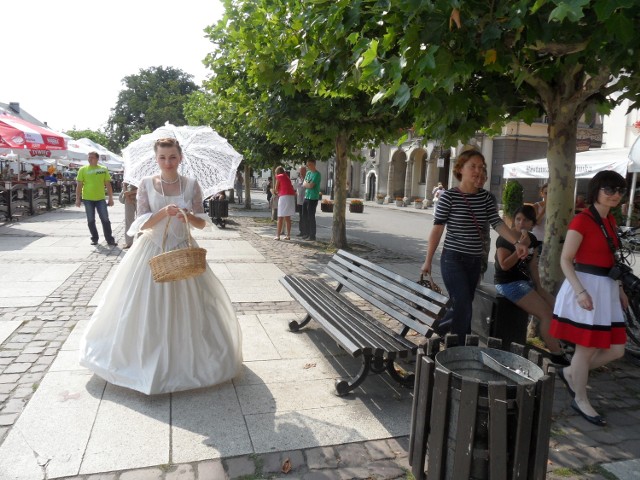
[(19, 134)]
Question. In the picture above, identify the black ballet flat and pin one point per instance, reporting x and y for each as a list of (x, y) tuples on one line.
[(566, 383), (596, 420)]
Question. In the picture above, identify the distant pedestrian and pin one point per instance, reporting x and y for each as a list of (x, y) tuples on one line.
[(286, 201), (436, 195), (269, 192), (311, 197), (91, 181), (128, 197), (238, 185), (299, 186)]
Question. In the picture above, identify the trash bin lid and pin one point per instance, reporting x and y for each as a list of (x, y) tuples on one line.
[(488, 364)]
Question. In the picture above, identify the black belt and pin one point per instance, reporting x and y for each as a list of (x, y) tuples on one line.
[(592, 269)]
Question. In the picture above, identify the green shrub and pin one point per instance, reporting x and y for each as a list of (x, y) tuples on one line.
[(512, 197)]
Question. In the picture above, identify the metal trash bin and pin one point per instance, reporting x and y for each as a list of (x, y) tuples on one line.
[(480, 413)]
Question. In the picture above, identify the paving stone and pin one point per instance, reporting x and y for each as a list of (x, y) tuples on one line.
[(239, 466), (22, 338), (8, 353), (7, 387), (181, 472), (379, 450), (212, 470), (17, 368), (8, 419), (142, 474), (353, 454), (15, 405), (31, 377), (321, 457), (100, 476), (9, 378), (32, 350)]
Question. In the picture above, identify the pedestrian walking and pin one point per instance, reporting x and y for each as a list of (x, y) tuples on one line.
[(91, 182), (463, 210), (163, 337), (589, 307), (238, 185), (128, 198)]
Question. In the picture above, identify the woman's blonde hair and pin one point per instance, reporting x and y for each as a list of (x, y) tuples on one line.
[(463, 158)]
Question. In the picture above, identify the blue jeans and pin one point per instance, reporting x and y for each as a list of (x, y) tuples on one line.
[(90, 207), (308, 218), (460, 274)]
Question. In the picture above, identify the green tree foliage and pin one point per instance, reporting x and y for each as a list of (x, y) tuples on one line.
[(462, 66), (150, 99), (260, 73), (99, 137), (512, 197)]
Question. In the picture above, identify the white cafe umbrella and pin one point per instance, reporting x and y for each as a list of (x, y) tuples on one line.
[(634, 167), (207, 157)]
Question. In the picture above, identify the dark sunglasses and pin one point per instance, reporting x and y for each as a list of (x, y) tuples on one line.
[(613, 190)]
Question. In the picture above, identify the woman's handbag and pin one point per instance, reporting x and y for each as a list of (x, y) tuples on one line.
[(429, 283), (178, 264)]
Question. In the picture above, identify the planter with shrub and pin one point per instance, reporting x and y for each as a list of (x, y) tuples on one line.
[(356, 206)]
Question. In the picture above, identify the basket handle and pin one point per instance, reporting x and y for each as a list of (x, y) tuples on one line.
[(166, 230)]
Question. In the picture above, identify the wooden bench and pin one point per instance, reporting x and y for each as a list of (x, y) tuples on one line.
[(405, 305)]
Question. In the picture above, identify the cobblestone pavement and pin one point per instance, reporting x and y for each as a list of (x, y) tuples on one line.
[(576, 448)]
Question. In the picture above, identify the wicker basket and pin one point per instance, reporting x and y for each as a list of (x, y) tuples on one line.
[(178, 264)]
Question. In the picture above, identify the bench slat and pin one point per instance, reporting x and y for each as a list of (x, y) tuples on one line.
[(376, 332), (297, 290), (346, 320), (415, 286), (363, 287), (405, 291)]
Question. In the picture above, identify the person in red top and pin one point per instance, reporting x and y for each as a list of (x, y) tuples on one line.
[(589, 306), (286, 201)]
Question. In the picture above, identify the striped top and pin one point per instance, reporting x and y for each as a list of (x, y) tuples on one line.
[(454, 212)]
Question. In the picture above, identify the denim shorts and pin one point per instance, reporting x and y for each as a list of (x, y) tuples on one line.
[(514, 291)]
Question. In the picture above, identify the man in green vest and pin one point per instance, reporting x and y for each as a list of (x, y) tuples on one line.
[(91, 182)]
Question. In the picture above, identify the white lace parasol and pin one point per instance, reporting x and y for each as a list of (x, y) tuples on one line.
[(206, 156)]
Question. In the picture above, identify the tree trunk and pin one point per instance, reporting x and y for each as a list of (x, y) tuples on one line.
[(247, 186), (339, 232), (561, 157)]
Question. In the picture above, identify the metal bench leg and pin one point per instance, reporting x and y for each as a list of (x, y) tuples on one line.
[(404, 380), (294, 326), (344, 386)]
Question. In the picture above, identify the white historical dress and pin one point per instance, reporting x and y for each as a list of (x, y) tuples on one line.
[(162, 337)]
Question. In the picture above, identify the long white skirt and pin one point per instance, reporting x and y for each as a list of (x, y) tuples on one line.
[(162, 337)]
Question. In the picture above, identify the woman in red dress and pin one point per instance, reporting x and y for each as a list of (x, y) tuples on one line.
[(589, 306)]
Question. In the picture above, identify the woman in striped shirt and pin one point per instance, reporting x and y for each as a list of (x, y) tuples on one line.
[(464, 210)]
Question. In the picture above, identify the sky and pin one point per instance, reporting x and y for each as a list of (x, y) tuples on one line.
[(65, 59)]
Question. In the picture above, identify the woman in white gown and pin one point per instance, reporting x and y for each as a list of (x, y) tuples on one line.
[(163, 337)]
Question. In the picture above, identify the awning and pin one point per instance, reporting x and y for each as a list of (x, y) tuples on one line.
[(587, 164), (23, 137)]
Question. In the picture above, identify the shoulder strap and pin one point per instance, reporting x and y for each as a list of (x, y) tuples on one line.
[(475, 220)]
